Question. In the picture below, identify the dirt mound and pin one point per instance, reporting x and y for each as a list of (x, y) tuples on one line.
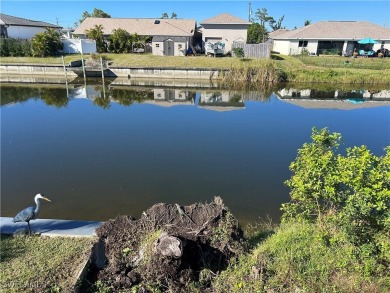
[(169, 247)]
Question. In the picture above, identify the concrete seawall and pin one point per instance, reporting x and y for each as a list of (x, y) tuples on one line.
[(128, 72)]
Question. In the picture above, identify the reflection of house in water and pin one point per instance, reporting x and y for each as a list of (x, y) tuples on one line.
[(221, 101), (91, 92), (337, 99), (171, 97)]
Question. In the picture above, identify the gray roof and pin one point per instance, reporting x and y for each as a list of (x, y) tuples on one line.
[(337, 30), (224, 18), (141, 26), (13, 20)]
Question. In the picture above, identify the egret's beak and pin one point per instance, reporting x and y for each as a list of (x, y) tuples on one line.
[(45, 198)]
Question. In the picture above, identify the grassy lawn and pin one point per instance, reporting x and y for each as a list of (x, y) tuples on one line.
[(147, 60), (346, 62), (41, 264), (324, 69), (281, 61)]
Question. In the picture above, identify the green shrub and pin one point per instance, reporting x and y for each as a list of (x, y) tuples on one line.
[(354, 189), (14, 47), (239, 52), (47, 43)]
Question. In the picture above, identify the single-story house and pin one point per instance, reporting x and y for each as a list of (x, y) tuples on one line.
[(22, 28), (169, 36), (330, 36), (224, 28)]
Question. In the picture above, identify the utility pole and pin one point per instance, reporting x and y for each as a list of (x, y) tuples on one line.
[(250, 11)]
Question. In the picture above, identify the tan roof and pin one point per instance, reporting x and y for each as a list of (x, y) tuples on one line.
[(224, 18), (141, 26), (278, 32), (351, 30)]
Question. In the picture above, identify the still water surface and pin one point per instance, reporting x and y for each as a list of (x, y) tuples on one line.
[(101, 152)]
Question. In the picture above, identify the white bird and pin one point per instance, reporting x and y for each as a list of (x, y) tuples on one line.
[(30, 213)]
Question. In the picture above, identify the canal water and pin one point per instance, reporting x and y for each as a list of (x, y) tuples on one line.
[(99, 152)]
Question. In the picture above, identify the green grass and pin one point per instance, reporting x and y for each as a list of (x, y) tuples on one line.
[(329, 69), (41, 264), (305, 258), (346, 62)]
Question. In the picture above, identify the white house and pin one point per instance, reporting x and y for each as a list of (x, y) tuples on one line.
[(224, 28), (169, 36), (340, 36), (22, 28)]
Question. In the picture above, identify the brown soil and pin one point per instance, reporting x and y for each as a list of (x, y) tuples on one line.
[(169, 247)]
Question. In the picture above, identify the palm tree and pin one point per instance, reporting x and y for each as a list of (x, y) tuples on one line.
[(96, 34), (307, 22)]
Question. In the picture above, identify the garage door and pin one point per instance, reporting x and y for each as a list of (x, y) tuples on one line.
[(213, 40)]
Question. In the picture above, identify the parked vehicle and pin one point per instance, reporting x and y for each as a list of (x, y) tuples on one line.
[(216, 49)]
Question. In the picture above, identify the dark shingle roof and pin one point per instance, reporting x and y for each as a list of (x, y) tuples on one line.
[(13, 20)]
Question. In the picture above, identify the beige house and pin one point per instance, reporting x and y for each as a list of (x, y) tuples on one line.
[(169, 36), (337, 36), (224, 28)]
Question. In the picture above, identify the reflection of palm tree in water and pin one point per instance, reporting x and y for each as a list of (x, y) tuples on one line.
[(102, 102)]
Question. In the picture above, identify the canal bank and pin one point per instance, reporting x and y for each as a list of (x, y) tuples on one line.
[(128, 72), (52, 227)]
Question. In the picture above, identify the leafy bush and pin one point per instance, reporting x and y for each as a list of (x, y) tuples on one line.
[(46, 43), (353, 190), (334, 235), (239, 52), (14, 47)]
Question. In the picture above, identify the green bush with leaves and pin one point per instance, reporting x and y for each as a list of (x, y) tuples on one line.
[(352, 190), (334, 235), (14, 47), (47, 43), (239, 52), (120, 42)]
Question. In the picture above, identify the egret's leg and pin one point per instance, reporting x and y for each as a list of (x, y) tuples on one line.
[(29, 229)]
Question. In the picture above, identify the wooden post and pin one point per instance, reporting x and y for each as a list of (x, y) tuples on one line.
[(66, 77), (63, 64), (101, 64), (82, 63)]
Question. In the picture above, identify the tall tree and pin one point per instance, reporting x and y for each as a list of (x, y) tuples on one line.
[(276, 24), (164, 15), (307, 22), (95, 13), (264, 18), (174, 15)]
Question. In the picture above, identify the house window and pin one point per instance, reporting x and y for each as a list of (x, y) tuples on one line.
[(180, 46), (302, 44), (157, 45)]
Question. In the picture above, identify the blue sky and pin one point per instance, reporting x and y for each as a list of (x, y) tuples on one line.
[(66, 13)]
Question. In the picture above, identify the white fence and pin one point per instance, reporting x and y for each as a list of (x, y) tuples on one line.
[(254, 50), (79, 46)]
